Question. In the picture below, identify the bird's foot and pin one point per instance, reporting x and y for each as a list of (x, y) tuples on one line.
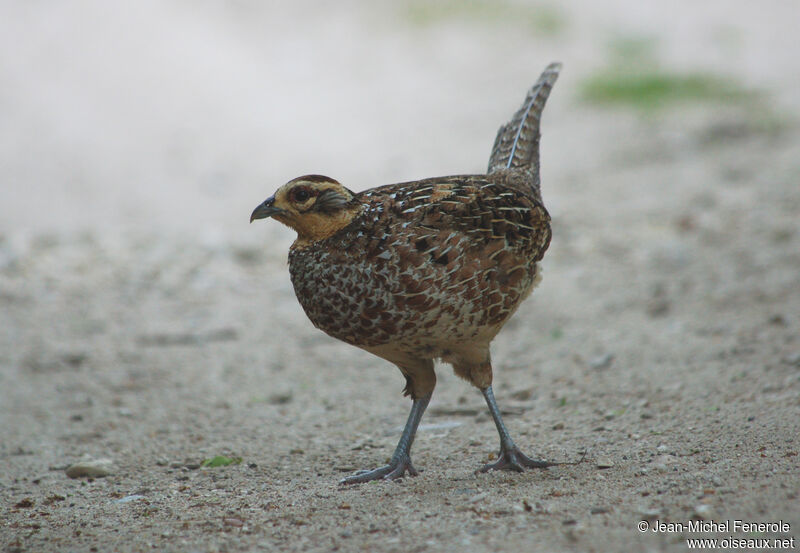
[(394, 470), (513, 459)]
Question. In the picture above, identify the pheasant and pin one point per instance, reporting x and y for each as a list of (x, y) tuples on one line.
[(425, 270)]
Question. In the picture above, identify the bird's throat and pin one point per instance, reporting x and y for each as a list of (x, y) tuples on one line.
[(313, 227)]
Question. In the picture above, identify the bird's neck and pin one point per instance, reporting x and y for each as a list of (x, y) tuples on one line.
[(315, 227)]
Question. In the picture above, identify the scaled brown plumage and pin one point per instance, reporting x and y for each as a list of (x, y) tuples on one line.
[(425, 270)]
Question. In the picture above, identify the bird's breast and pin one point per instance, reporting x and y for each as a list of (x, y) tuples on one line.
[(372, 290)]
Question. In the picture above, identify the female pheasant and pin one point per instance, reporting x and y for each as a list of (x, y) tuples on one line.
[(425, 270)]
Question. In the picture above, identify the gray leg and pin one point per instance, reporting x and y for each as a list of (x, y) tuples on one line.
[(401, 460), (510, 458)]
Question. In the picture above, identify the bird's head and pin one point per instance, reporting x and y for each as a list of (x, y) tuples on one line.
[(314, 206)]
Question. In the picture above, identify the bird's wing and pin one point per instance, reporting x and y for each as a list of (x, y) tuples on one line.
[(486, 213)]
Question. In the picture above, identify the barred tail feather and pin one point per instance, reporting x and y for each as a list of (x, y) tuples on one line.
[(517, 142)]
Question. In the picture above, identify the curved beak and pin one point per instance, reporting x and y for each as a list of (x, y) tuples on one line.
[(266, 209)]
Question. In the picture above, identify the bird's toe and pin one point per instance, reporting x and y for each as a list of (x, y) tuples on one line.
[(514, 459)]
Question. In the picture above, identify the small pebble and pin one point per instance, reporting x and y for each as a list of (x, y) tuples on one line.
[(129, 498), (446, 425), (601, 361), (703, 512), (523, 395), (235, 522), (91, 469), (575, 531), (604, 463), (657, 307), (280, 399), (778, 320), (662, 463), (478, 497), (792, 359), (650, 513)]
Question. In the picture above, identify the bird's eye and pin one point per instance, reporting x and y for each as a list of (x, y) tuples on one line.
[(301, 195)]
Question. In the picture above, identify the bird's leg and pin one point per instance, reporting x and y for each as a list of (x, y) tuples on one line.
[(510, 458), (401, 459)]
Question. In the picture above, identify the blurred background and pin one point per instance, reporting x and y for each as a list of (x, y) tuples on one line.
[(183, 115)]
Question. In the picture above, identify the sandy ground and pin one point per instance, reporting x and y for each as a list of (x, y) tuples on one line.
[(143, 321)]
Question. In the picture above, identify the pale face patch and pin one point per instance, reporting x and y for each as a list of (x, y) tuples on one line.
[(316, 207)]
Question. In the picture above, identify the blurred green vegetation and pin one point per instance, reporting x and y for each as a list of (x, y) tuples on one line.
[(220, 461), (634, 77), (655, 88), (542, 19)]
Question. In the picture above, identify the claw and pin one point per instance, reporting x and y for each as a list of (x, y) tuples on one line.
[(394, 470), (514, 459)]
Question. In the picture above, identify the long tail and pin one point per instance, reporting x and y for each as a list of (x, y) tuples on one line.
[(517, 142)]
